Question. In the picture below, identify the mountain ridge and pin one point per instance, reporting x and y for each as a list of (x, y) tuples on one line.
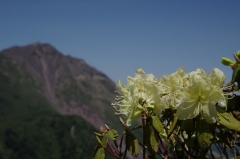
[(73, 86), (30, 126)]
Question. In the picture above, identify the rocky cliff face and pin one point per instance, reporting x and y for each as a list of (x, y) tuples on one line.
[(70, 84)]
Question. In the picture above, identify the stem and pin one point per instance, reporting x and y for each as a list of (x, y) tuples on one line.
[(217, 146), (120, 152), (223, 148), (163, 145), (115, 155), (109, 144), (174, 152), (189, 155), (117, 146), (160, 153), (144, 135), (125, 153), (225, 152), (211, 153), (234, 148)]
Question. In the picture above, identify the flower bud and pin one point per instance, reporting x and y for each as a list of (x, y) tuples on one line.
[(102, 129), (227, 61), (98, 134), (107, 127), (236, 58), (238, 54)]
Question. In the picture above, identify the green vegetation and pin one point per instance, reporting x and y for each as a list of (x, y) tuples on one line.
[(94, 92), (30, 127)]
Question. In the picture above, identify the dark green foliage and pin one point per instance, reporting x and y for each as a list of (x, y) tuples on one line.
[(157, 124), (31, 128), (99, 153), (203, 134), (48, 138), (152, 141), (132, 144)]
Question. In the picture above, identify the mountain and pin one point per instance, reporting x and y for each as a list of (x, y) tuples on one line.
[(71, 85), (50, 104)]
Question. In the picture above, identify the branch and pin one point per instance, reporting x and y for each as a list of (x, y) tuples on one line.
[(163, 145), (217, 146), (125, 153), (115, 155), (234, 148), (117, 146), (211, 153), (109, 144), (144, 135), (225, 152)]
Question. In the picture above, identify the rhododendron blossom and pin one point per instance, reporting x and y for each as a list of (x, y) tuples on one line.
[(172, 86), (200, 97), (189, 94), (141, 91)]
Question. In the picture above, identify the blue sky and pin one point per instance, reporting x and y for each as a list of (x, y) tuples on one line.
[(119, 36)]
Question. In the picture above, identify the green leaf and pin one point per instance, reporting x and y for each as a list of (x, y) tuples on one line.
[(149, 107), (164, 136), (179, 151), (238, 54), (99, 141), (105, 140), (151, 139), (132, 144), (203, 134), (152, 157), (98, 152), (190, 142), (188, 126), (112, 134), (137, 127), (173, 125), (236, 74), (157, 124), (230, 101), (228, 120)]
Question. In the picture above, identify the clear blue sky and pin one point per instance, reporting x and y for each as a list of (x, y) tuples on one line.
[(119, 36)]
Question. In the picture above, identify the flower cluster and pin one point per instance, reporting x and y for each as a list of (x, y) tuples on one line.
[(189, 94)]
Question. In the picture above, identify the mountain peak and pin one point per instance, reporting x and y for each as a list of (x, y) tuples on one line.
[(42, 48), (36, 43), (69, 83)]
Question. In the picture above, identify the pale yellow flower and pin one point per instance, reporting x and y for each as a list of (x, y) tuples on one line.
[(171, 87), (201, 95), (217, 78), (141, 91)]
